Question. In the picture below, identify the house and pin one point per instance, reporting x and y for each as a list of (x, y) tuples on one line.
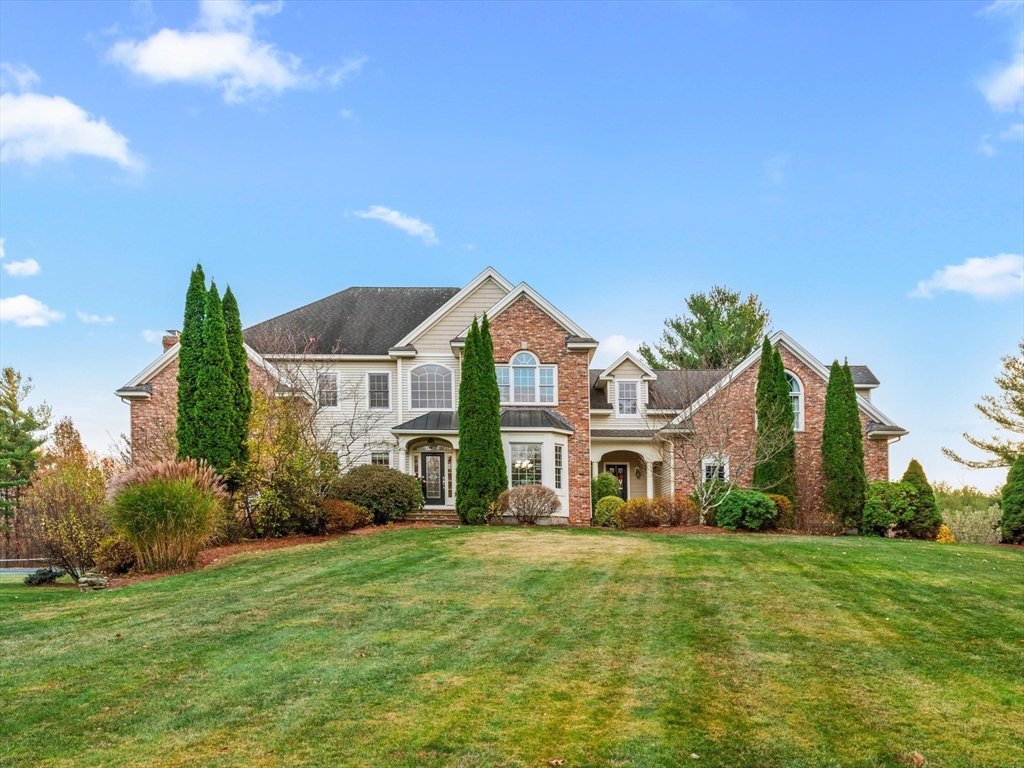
[(381, 366)]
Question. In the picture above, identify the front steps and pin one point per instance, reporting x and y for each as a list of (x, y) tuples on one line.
[(434, 516)]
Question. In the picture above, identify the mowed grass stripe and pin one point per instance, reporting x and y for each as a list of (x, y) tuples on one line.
[(461, 647)]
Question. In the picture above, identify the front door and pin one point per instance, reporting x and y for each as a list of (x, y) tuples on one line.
[(621, 472), (432, 472)]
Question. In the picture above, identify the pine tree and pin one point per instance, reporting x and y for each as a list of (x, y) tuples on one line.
[(490, 418), (190, 360), (1012, 504), (215, 401), (20, 436), (842, 449), (239, 375), (925, 522), (776, 449)]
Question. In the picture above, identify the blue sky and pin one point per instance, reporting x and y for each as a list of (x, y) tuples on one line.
[(859, 166)]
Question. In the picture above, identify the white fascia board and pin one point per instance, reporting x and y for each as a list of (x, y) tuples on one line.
[(648, 374), (780, 337), (151, 370), (454, 301), (582, 344), (545, 306), (329, 357), (132, 394)]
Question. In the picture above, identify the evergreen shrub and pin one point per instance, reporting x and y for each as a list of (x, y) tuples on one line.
[(1012, 504), (168, 511), (945, 536), (786, 519), (752, 510), (888, 508), (925, 522), (386, 493), (43, 576), (602, 486), (605, 512)]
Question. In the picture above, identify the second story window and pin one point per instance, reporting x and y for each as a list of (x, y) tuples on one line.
[(327, 390), (626, 397), (525, 382), (430, 387), (378, 386)]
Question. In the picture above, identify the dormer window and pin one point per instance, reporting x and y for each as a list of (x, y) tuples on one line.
[(626, 397), (525, 382)]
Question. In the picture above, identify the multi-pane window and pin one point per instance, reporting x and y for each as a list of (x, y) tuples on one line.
[(504, 388), (327, 390), (431, 387), (626, 397), (796, 397), (715, 468), (524, 381), (378, 386), (526, 464), (558, 467), (381, 458)]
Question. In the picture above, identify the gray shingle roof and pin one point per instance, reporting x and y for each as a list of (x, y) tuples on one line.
[(863, 377), (673, 390), (511, 418), (644, 433), (356, 321)]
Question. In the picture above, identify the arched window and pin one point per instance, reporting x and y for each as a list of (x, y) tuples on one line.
[(796, 397), (524, 380), (431, 387)]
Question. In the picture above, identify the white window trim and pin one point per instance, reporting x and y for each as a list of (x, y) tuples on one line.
[(803, 400), (540, 469), (409, 382), (391, 395), (558, 468), (618, 413), (714, 460), (337, 389), (536, 381), (388, 451)]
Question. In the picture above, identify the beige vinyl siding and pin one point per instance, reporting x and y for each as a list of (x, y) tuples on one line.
[(352, 400), (627, 369), (436, 339)]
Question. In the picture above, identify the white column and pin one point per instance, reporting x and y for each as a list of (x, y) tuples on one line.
[(650, 478), (594, 469)]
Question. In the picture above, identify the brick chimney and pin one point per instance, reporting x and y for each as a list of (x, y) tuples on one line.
[(171, 339)]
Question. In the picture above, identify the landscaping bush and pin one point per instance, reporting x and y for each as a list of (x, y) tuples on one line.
[(974, 526), (752, 510), (887, 509), (604, 514), (168, 511), (387, 493), (527, 504), (341, 516), (689, 512), (667, 511), (64, 506), (945, 536), (1012, 504), (637, 513), (114, 556), (785, 519), (602, 486), (925, 521), (43, 576)]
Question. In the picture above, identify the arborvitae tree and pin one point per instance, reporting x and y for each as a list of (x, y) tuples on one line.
[(215, 398), (842, 450), (1013, 504), (190, 360), (786, 460), (469, 501), (775, 448), (21, 433), (925, 522), (239, 375), (490, 417)]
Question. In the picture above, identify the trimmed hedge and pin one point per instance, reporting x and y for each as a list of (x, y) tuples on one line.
[(386, 493), (751, 510), (603, 486), (605, 513), (888, 508)]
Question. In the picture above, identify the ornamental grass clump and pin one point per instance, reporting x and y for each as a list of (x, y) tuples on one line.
[(168, 511)]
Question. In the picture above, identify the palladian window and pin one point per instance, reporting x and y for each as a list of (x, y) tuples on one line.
[(430, 388), (524, 381)]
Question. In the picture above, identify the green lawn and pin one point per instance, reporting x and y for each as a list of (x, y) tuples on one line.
[(512, 647)]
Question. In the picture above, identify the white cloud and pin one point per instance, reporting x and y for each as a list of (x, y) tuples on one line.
[(2, 252), (774, 169), (25, 268), (407, 224), (87, 318), (1014, 133), (985, 146), (222, 50), (17, 77), (1004, 86), (151, 337), (613, 347), (994, 277), (26, 312), (35, 128), (1001, 7)]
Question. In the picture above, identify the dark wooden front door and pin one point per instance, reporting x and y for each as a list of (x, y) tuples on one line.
[(621, 472), (432, 473)]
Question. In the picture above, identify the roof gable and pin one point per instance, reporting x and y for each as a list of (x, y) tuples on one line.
[(646, 373), (137, 384), (542, 304)]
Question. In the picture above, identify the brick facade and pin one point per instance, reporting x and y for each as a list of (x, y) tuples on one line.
[(523, 323), (739, 418)]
